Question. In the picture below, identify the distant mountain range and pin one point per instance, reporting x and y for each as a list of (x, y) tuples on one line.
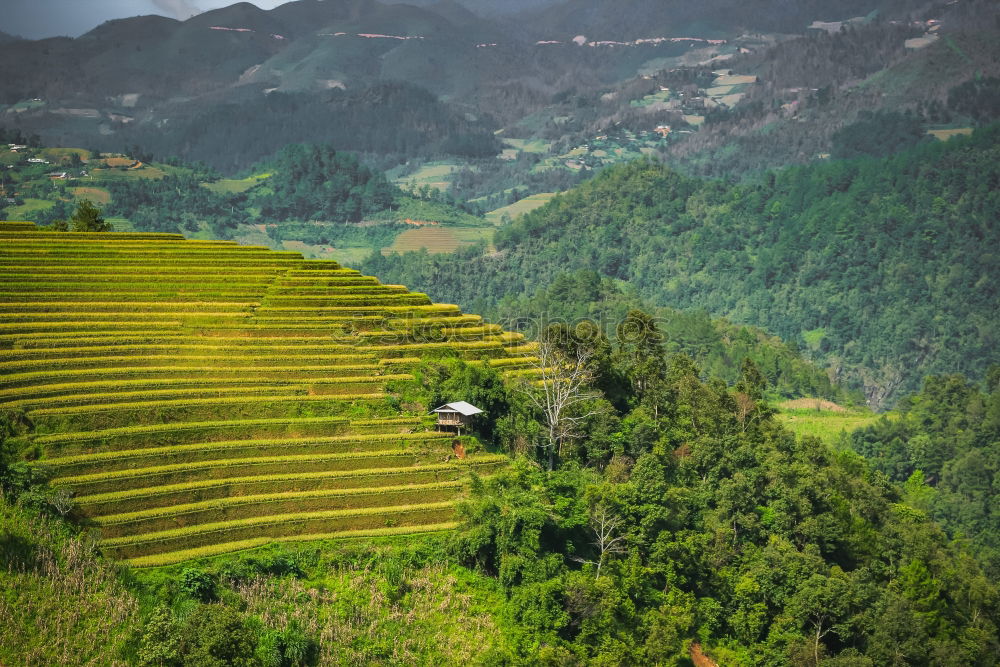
[(175, 87), (622, 19)]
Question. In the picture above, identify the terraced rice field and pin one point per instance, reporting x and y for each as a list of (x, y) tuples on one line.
[(519, 208), (96, 195), (945, 135), (824, 419), (435, 174), (229, 186), (201, 397), (435, 239)]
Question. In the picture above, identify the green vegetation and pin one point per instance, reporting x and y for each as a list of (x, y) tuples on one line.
[(944, 448), (888, 257), (318, 183), (233, 186), (878, 134), (717, 346), (828, 423), (172, 204), (435, 175), (520, 207), (307, 198), (677, 511)]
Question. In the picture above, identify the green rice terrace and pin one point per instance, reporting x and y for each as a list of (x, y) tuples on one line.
[(201, 397)]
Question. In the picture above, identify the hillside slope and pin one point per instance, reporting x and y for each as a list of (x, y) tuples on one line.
[(198, 397), (882, 268)]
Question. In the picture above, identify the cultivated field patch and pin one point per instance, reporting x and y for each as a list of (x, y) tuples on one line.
[(434, 239), (520, 207), (96, 195), (201, 397)]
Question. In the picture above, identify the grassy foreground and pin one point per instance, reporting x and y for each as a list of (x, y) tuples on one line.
[(386, 601)]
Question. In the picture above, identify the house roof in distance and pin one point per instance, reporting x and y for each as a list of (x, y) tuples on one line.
[(466, 409)]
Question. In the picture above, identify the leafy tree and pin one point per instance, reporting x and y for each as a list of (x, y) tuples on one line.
[(216, 636), (160, 641), (824, 604), (87, 218)]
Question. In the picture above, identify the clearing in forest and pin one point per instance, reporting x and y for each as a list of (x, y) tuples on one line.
[(821, 418), (520, 207)]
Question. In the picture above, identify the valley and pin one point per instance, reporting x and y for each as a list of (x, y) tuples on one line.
[(527, 332)]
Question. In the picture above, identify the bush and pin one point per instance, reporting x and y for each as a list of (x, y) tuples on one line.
[(200, 585), (217, 636), (288, 648), (159, 643)]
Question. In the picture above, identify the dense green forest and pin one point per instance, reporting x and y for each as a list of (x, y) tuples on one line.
[(392, 117), (673, 510), (945, 449), (304, 182), (316, 182), (881, 268), (718, 347), (174, 203)]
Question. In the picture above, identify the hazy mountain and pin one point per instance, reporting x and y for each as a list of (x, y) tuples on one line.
[(144, 79), (4, 37), (486, 8), (625, 19)]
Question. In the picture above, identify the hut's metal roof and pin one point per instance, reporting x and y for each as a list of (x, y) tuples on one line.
[(464, 408)]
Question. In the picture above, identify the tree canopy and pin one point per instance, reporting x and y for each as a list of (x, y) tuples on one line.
[(878, 267)]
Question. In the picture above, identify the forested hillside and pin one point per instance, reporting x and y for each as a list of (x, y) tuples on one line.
[(717, 346), (881, 267), (685, 521), (390, 117), (945, 450)]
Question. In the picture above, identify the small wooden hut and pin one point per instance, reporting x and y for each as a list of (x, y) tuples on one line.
[(456, 415)]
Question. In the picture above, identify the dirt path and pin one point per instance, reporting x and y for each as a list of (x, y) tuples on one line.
[(699, 658)]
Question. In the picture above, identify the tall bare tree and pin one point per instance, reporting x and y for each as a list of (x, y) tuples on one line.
[(607, 535), (560, 389)]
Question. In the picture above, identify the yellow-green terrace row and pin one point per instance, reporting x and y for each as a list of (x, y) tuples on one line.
[(181, 371), (173, 557), (280, 525), (176, 411), (158, 435), (245, 507), (217, 360), (89, 464), (124, 348), (119, 480), (195, 491), (107, 391)]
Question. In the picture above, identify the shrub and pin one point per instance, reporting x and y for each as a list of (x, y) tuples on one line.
[(159, 643), (217, 636), (199, 584)]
